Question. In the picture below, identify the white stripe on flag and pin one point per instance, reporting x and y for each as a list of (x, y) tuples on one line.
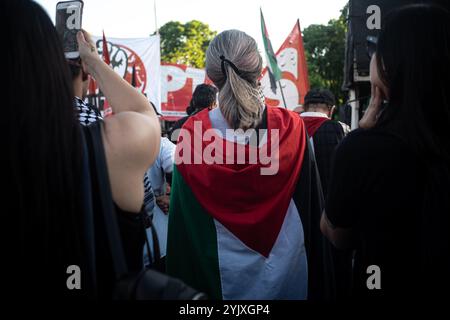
[(246, 274)]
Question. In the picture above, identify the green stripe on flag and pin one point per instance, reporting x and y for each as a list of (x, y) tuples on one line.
[(192, 241), (270, 54)]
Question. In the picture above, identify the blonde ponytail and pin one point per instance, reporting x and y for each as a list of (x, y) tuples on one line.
[(234, 64)]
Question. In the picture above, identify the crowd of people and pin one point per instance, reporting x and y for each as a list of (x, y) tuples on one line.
[(361, 214)]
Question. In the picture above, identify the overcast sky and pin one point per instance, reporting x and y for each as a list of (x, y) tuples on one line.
[(135, 18)]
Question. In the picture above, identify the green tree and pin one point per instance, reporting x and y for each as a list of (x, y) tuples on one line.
[(185, 43), (325, 53)]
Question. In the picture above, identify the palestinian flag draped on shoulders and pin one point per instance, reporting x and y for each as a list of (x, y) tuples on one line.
[(246, 229)]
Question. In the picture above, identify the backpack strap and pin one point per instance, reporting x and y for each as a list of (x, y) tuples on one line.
[(156, 252), (88, 219), (95, 143)]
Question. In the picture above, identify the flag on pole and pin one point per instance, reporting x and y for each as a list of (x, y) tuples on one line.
[(292, 62), (275, 73), (92, 92), (92, 87), (105, 52)]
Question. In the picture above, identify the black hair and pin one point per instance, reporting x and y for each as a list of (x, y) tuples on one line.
[(413, 59), (74, 67), (154, 109), (43, 152), (204, 96), (190, 110), (319, 96)]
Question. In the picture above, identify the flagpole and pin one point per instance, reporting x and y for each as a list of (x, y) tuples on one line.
[(282, 94), (275, 73), (156, 21)]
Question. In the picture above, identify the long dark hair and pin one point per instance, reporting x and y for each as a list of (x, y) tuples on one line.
[(203, 97), (42, 149), (413, 59)]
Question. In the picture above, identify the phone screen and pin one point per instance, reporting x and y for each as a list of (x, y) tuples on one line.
[(68, 23)]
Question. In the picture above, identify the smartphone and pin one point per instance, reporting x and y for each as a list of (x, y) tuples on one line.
[(68, 23)]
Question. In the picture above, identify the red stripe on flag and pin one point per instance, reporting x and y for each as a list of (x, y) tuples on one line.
[(250, 205), (313, 124)]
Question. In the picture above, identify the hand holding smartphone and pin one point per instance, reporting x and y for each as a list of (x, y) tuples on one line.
[(68, 23)]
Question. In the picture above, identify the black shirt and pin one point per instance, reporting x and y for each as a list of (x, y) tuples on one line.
[(130, 224), (377, 190), (325, 140)]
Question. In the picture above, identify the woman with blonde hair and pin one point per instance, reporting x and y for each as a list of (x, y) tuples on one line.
[(242, 227)]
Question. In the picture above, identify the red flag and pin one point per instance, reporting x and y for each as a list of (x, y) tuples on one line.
[(105, 51), (107, 110), (313, 124), (92, 86), (303, 67), (255, 220), (292, 55)]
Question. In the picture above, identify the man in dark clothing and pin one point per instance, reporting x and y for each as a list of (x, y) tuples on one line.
[(204, 96), (325, 135)]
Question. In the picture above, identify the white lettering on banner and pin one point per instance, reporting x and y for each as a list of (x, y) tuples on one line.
[(172, 79), (198, 77)]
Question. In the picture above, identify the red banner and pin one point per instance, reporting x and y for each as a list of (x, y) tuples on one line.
[(178, 82)]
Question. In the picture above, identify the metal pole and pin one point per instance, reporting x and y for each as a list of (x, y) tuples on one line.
[(355, 109), (282, 94)]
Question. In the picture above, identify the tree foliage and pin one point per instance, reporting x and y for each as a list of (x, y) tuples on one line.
[(185, 43), (325, 51)]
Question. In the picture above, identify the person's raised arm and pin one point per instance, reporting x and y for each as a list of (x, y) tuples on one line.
[(131, 136), (120, 94)]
